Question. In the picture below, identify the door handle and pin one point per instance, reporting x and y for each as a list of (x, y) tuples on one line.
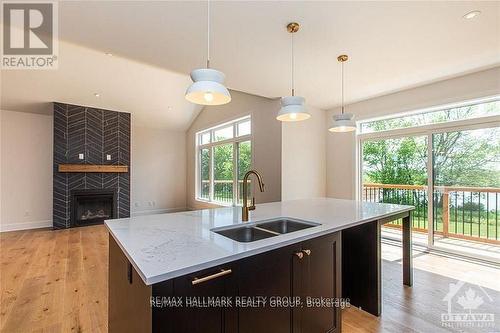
[(308, 252), (211, 277), (300, 255)]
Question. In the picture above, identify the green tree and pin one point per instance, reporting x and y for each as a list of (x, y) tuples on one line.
[(244, 158), (223, 162), (395, 161), (461, 158), (205, 164), (467, 158)]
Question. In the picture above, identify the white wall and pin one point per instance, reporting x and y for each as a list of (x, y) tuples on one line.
[(341, 147), (304, 157), (26, 170), (158, 170), (158, 164), (1, 116), (266, 142)]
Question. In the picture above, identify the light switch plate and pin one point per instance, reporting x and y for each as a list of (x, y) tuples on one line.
[(108, 157), (80, 156)]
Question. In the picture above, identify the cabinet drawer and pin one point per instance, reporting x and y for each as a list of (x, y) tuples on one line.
[(200, 289)]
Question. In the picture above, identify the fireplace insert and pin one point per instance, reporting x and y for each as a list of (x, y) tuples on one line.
[(89, 207)]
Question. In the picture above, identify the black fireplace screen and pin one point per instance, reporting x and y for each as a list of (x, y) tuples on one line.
[(92, 207)]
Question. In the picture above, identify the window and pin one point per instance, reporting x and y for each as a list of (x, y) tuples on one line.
[(224, 155), (462, 111), (446, 163)]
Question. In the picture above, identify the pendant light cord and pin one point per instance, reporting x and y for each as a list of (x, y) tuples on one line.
[(293, 66), (208, 33), (342, 85)]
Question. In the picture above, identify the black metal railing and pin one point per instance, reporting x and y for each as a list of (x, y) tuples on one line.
[(460, 212), (223, 191)]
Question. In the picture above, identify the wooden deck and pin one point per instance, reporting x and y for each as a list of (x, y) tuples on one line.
[(56, 281)]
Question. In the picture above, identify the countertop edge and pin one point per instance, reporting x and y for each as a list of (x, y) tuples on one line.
[(191, 269)]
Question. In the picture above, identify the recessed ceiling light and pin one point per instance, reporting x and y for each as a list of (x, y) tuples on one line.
[(109, 54), (471, 15), (169, 108), (97, 95)]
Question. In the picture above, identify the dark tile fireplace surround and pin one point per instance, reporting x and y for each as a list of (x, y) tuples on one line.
[(103, 137)]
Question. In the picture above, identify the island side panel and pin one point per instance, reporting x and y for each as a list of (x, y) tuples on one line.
[(361, 266), (406, 244), (129, 307), (407, 249)]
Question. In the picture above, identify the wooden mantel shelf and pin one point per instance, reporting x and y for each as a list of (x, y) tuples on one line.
[(92, 168)]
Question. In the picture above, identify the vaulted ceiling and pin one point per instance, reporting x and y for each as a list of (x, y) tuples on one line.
[(155, 44)]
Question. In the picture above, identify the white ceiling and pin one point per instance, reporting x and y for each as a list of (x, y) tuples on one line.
[(392, 46), (154, 96)]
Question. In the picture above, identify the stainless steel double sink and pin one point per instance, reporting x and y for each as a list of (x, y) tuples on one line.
[(249, 232)]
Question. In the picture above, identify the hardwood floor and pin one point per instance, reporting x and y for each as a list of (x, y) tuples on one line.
[(56, 281), (419, 308)]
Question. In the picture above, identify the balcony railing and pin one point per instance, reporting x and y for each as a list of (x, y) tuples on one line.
[(223, 190), (459, 212)]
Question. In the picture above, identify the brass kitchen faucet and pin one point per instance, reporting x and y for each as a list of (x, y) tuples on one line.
[(245, 209)]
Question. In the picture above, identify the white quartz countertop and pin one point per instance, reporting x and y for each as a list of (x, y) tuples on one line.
[(165, 246)]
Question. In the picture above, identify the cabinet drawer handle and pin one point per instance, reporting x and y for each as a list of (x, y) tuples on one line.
[(211, 277), (308, 252), (129, 273), (299, 254)]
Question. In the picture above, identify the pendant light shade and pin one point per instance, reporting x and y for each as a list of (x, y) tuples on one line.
[(343, 122), (208, 87), (293, 107)]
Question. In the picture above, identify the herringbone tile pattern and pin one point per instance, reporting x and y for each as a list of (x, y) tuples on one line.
[(95, 133)]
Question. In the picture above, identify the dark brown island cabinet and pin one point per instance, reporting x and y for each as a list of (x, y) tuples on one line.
[(309, 270)]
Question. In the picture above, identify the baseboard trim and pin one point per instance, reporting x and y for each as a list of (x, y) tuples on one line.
[(25, 225), (158, 211), (48, 223)]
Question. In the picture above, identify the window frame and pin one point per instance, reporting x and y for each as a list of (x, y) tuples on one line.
[(235, 141), (436, 108), (427, 131)]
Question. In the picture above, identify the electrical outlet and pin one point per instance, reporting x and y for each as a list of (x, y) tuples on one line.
[(81, 156), (108, 157), (136, 204)]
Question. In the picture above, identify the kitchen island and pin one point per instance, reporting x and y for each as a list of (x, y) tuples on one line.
[(160, 262)]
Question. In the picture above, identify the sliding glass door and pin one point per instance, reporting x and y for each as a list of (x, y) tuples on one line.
[(452, 177), (395, 171), (466, 190)]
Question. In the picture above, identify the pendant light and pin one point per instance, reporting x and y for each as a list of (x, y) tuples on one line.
[(343, 122), (207, 87), (293, 107)]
